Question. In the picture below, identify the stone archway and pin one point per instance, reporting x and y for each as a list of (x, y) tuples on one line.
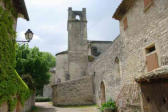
[(103, 94)]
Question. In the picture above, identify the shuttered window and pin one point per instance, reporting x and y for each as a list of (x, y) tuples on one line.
[(151, 58), (152, 62), (125, 22)]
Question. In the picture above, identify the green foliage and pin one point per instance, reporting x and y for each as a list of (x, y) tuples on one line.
[(42, 99), (35, 63), (34, 109), (109, 104), (12, 87), (9, 6), (91, 58)]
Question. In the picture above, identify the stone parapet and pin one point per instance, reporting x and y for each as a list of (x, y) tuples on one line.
[(75, 92)]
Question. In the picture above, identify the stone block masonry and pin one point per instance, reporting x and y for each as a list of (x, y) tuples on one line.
[(77, 44), (75, 92)]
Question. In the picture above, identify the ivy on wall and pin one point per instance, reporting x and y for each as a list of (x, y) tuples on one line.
[(12, 87)]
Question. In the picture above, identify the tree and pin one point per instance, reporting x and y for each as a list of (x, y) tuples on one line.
[(34, 63)]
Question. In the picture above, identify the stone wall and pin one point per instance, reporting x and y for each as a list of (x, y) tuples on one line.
[(75, 92), (61, 68), (47, 90), (104, 70), (29, 104), (101, 47), (144, 28)]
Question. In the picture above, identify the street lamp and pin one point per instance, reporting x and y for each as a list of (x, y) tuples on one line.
[(28, 36)]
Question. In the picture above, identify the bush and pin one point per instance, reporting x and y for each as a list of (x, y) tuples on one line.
[(33, 109), (109, 104), (42, 99), (91, 58)]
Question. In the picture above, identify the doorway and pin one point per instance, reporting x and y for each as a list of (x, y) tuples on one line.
[(155, 95), (103, 94)]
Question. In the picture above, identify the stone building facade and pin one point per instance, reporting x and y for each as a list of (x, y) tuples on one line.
[(133, 68), (72, 84), (95, 48), (140, 49)]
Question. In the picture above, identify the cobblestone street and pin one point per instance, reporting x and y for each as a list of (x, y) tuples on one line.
[(47, 107)]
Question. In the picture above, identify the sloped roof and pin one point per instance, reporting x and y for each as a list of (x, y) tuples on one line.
[(96, 41), (160, 73), (60, 53), (123, 8), (21, 8)]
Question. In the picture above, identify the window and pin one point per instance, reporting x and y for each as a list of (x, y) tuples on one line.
[(67, 76), (95, 51), (151, 58), (117, 66), (147, 3), (125, 22), (150, 49)]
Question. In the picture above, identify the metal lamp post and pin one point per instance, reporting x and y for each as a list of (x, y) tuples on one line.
[(28, 36)]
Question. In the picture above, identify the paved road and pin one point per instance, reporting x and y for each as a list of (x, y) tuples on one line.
[(47, 107)]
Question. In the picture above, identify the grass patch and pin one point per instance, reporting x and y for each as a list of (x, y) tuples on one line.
[(76, 106)]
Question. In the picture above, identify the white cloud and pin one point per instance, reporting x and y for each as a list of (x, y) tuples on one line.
[(48, 21), (56, 3)]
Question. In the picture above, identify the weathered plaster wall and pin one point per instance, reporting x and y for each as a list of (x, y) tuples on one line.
[(144, 29), (61, 68), (74, 92), (4, 107)]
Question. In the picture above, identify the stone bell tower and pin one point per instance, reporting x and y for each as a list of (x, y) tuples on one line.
[(77, 43)]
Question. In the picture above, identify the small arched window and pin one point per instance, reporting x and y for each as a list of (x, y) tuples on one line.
[(77, 17), (117, 66)]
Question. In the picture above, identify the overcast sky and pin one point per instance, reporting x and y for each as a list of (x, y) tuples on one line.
[(48, 21)]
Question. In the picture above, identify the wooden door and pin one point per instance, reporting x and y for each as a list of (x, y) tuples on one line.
[(155, 96), (103, 94)]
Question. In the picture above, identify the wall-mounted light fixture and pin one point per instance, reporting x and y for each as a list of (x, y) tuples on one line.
[(28, 36)]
